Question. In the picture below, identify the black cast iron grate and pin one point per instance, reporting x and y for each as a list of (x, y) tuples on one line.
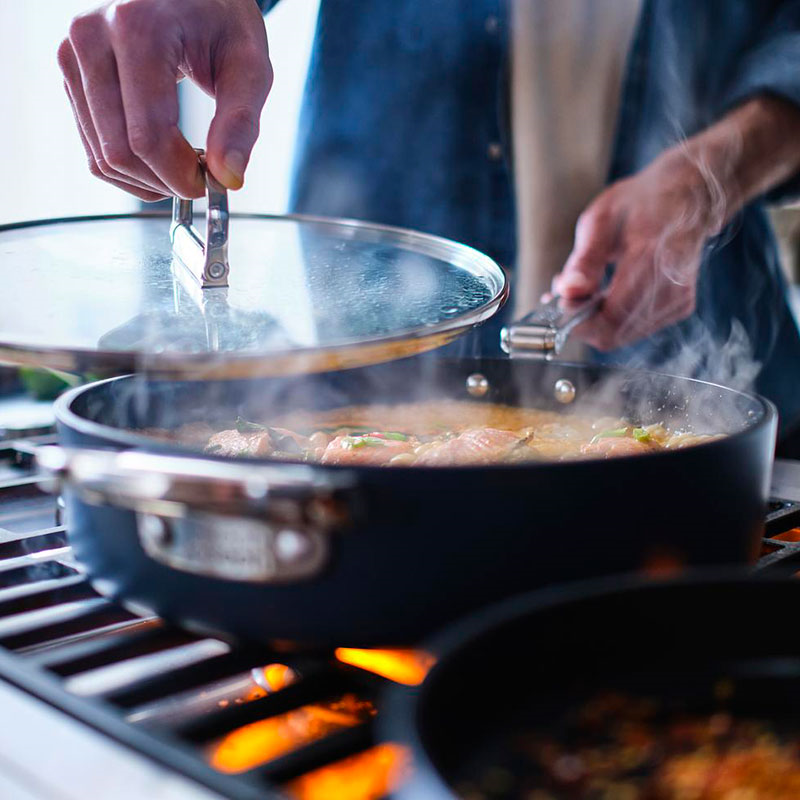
[(165, 692)]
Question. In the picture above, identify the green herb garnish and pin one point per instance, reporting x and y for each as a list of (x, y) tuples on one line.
[(614, 433), (641, 435), (355, 442), (245, 426), (395, 436)]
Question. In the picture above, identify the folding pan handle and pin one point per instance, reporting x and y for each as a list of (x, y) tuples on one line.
[(543, 333), (205, 258), (239, 521)]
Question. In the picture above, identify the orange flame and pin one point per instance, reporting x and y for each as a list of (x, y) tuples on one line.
[(402, 666), (365, 776), (788, 536), (277, 676), (262, 741)]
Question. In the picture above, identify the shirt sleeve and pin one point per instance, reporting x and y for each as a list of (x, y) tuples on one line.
[(772, 66)]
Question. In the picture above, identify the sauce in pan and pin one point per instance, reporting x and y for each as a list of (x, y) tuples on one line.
[(435, 433)]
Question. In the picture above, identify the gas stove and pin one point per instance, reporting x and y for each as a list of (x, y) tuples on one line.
[(113, 704)]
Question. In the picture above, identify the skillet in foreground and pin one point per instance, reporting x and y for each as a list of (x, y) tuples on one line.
[(532, 676)]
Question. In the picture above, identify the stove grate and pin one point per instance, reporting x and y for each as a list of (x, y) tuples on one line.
[(165, 692)]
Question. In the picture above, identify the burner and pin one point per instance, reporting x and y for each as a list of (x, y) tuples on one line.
[(238, 720)]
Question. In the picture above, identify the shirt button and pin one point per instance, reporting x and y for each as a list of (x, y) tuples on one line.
[(494, 151), (491, 24)]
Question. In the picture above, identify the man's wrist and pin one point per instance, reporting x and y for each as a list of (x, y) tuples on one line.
[(748, 152)]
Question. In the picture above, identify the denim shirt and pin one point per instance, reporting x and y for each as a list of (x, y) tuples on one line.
[(405, 122)]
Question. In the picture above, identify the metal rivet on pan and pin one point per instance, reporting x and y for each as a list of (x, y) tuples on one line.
[(291, 545), (477, 385), (564, 391), (216, 270)]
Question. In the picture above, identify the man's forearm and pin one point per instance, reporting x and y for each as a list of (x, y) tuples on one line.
[(750, 151)]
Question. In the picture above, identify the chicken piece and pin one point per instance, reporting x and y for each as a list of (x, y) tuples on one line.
[(370, 450), (194, 433), (287, 441), (611, 447), (477, 446), (234, 443)]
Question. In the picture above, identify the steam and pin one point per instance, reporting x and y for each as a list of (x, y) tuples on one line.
[(730, 363), (732, 331)]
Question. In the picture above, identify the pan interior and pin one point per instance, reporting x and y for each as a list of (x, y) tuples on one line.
[(135, 403)]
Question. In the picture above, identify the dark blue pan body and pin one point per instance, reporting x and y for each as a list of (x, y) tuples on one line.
[(430, 545)]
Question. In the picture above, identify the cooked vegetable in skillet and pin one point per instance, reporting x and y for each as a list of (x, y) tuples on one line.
[(630, 747), (433, 433)]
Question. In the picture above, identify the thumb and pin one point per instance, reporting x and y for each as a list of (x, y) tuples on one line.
[(241, 85), (596, 237)]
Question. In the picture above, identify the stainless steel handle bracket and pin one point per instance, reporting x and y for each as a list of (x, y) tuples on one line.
[(543, 333), (205, 258), (234, 521), (233, 548)]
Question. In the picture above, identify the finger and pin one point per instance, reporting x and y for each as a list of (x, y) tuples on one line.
[(596, 238), (629, 302), (147, 55), (98, 68), (242, 80), (74, 86), (604, 335), (638, 304), (142, 194)]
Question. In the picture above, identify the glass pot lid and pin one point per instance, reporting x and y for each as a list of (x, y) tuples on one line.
[(284, 294)]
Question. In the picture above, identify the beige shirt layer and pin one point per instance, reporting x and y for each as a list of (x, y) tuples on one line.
[(568, 60)]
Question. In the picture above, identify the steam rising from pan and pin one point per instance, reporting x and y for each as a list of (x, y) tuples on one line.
[(641, 397)]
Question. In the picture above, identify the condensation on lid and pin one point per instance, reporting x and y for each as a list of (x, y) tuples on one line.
[(108, 293)]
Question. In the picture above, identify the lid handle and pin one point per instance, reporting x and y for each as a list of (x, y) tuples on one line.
[(544, 332), (205, 258)]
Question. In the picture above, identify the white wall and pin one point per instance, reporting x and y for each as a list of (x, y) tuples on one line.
[(42, 165)]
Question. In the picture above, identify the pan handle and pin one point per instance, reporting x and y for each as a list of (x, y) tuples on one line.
[(238, 521), (543, 333), (205, 258)]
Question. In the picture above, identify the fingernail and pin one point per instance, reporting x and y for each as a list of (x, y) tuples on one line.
[(234, 163), (575, 283)]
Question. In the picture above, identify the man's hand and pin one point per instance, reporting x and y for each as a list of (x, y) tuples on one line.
[(655, 224), (653, 227), (121, 64)]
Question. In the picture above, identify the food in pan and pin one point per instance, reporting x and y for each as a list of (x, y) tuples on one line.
[(434, 434), (624, 747)]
